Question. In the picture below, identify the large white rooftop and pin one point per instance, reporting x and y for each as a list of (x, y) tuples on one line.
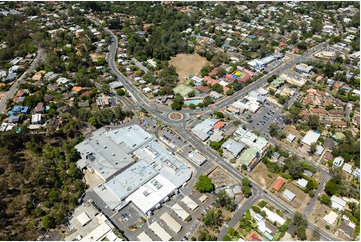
[(147, 174), (109, 152)]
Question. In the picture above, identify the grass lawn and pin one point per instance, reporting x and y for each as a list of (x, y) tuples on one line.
[(182, 90)]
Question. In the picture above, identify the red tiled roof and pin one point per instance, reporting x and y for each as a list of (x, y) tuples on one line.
[(76, 89), (328, 155), (279, 183), (230, 77), (203, 89), (253, 237), (339, 123), (226, 88), (219, 124), (319, 111)]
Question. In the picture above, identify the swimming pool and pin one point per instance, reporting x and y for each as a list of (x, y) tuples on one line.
[(195, 102)]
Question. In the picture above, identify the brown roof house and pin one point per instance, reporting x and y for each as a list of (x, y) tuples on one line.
[(279, 183)]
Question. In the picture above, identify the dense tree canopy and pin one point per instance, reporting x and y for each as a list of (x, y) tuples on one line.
[(204, 184)]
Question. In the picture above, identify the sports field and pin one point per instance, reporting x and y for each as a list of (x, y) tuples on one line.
[(182, 90), (186, 64)]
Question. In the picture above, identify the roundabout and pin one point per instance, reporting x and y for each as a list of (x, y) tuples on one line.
[(175, 116)]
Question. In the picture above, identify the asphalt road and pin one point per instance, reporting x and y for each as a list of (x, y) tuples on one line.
[(162, 114), (21, 79)]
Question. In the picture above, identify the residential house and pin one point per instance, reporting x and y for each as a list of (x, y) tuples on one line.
[(302, 183), (338, 203), (289, 195), (36, 118), (347, 168), (347, 227), (279, 183), (338, 161), (39, 108)]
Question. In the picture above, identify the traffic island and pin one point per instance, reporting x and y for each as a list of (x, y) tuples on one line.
[(175, 116)]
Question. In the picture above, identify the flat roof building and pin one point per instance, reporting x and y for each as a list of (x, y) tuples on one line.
[(233, 147), (303, 68), (203, 130), (135, 167), (83, 219), (197, 158), (248, 156)]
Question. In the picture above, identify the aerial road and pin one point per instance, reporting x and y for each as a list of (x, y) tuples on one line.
[(161, 114)]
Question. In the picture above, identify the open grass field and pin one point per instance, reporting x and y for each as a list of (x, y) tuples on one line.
[(186, 64)]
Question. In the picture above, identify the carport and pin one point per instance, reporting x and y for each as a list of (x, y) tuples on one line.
[(144, 237), (171, 222), (190, 203), (180, 211), (160, 232)]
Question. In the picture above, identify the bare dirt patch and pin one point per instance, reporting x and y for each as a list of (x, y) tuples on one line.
[(220, 178), (96, 56), (186, 64), (260, 175), (318, 212)]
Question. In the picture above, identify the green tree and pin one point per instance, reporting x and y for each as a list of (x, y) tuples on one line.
[(176, 106), (313, 121), (331, 188), (215, 145), (48, 222), (324, 199), (205, 70), (213, 218), (204, 184), (313, 148), (217, 87), (120, 92), (218, 114), (226, 238), (192, 106)]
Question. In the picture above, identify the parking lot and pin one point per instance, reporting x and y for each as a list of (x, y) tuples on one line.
[(263, 118), (173, 140), (148, 123), (130, 218)]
